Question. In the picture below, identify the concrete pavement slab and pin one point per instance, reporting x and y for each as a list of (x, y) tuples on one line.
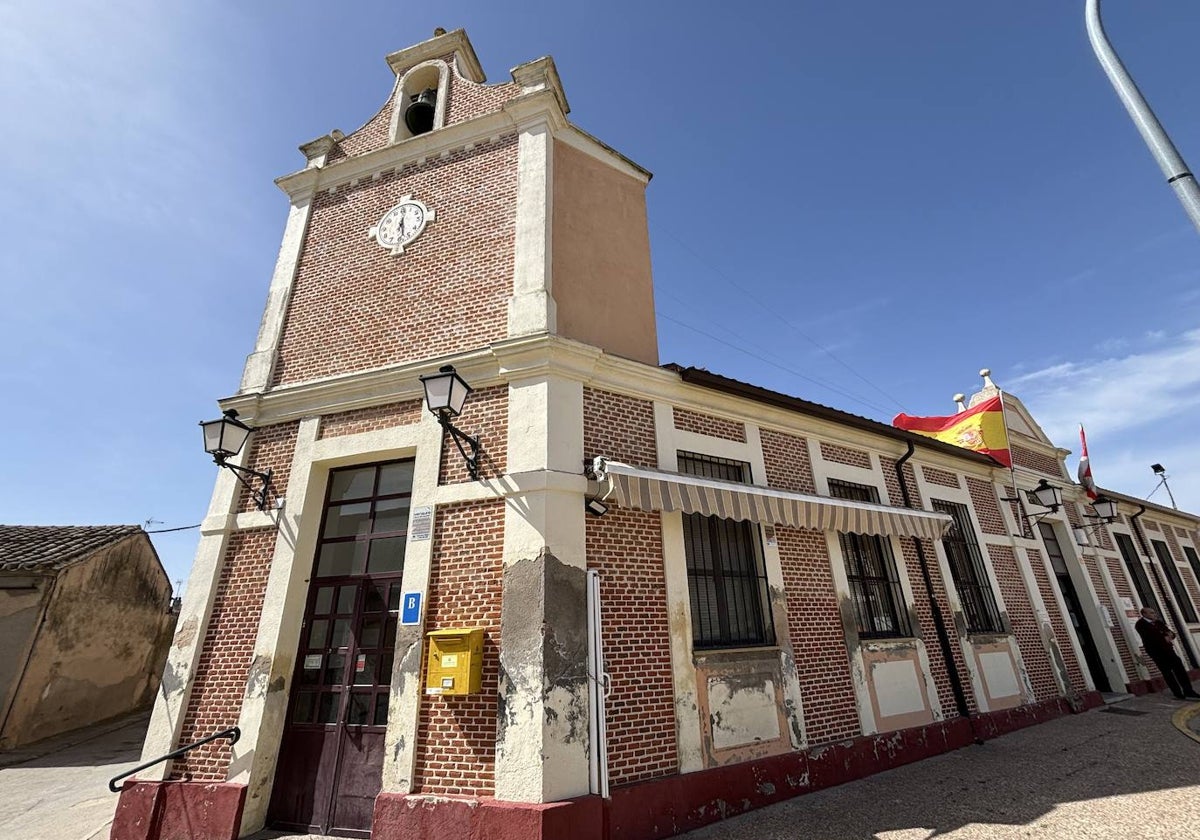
[(58, 789), (1116, 773)]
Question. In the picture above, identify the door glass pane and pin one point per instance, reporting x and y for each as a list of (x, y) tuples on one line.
[(345, 601), (381, 707), (364, 668), (341, 559), (310, 670), (351, 484), (324, 600), (340, 637), (348, 520), (374, 600), (335, 666), (329, 708), (395, 478), (319, 633), (303, 710), (372, 631), (360, 709), (387, 555), (394, 598), (391, 515)]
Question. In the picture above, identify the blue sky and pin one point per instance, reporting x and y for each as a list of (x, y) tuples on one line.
[(857, 203)]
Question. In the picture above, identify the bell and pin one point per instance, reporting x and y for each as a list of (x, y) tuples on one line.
[(419, 114)]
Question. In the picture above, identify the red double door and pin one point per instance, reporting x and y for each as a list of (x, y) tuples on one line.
[(331, 756)]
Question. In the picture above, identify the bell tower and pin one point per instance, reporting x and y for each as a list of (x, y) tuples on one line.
[(459, 215)]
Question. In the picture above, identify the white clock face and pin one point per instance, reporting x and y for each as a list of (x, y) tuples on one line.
[(402, 224)]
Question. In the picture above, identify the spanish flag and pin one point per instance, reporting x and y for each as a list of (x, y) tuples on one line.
[(980, 428)]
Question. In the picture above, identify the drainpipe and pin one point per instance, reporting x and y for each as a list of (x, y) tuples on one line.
[(1168, 595), (939, 622)]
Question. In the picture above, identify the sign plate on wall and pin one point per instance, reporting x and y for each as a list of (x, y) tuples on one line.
[(410, 612), (420, 523)]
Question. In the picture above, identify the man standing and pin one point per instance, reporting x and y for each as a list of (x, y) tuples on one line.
[(1157, 639)]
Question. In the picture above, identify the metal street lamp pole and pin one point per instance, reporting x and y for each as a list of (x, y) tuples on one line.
[(1169, 160)]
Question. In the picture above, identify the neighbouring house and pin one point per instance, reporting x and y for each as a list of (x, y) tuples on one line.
[(608, 598), (85, 623)]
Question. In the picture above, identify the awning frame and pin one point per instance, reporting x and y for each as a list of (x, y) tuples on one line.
[(659, 490)]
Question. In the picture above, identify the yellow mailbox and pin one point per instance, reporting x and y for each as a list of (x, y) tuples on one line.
[(455, 661)]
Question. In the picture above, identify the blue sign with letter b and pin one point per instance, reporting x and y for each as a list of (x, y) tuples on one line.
[(410, 612)]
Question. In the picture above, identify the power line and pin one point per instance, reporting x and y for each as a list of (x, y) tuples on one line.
[(785, 368), (169, 530), (774, 313)]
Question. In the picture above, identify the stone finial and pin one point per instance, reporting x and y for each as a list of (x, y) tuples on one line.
[(438, 31), (958, 402), (986, 373)]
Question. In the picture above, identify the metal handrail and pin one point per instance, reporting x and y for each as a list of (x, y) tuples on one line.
[(233, 733)]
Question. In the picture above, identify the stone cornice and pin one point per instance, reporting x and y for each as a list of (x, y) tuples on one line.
[(455, 42), (541, 74)]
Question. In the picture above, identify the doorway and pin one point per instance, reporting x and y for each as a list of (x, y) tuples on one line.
[(331, 756), (1066, 586)]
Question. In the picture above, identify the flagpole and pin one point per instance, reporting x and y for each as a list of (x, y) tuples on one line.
[(1012, 470)]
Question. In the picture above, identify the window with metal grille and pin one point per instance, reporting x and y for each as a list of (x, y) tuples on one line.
[(1173, 578), (966, 568), (1141, 582), (1193, 560), (871, 573), (727, 583)]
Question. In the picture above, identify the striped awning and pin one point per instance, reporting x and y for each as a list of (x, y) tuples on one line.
[(657, 490)]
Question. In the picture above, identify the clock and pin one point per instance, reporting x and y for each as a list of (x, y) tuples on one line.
[(402, 224)]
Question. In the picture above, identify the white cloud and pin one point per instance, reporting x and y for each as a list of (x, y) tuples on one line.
[(1138, 408)]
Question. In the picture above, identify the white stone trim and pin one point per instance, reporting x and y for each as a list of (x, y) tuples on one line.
[(532, 308), (179, 674), (256, 376), (265, 702)]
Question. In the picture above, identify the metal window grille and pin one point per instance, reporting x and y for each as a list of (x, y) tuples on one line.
[(966, 568), (1193, 560), (1173, 578), (871, 573), (1141, 582), (727, 583)]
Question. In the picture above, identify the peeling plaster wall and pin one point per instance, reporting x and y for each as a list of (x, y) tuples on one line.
[(102, 645)]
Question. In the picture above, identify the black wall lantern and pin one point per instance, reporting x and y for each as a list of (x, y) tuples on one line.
[(1044, 495), (224, 439), (445, 393)]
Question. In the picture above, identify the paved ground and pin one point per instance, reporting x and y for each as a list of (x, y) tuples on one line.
[(1100, 775), (58, 789), (1104, 774)]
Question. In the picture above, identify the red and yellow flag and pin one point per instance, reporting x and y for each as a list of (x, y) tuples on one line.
[(980, 428)]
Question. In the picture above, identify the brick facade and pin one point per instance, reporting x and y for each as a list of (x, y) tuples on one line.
[(484, 417), (457, 735), (706, 424), (626, 547), (619, 427), (355, 306), (220, 682), (371, 419), (1024, 622), (1036, 461), (818, 641), (271, 448), (787, 462), (838, 454), (1057, 622), (933, 475), (924, 611), (987, 506)]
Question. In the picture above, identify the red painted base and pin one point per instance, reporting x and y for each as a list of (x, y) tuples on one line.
[(415, 817), (664, 807), (178, 811)]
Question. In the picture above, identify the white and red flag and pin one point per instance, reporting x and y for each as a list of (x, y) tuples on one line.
[(1085, 468)]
